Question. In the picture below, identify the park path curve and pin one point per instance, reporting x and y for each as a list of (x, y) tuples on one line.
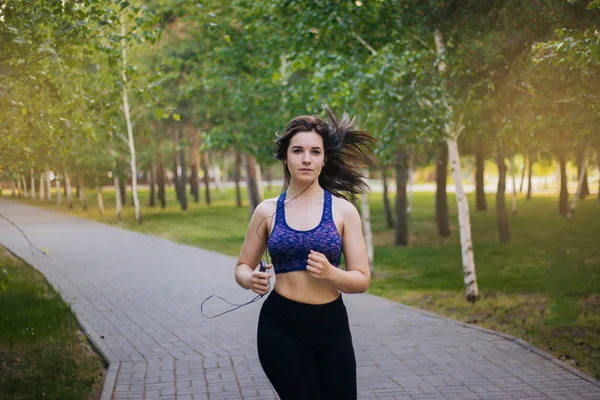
[(138, 299)]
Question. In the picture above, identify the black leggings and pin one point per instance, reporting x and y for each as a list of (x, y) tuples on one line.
[(306, 350)]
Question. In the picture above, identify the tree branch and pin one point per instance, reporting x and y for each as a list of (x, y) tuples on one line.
[(540, 97)]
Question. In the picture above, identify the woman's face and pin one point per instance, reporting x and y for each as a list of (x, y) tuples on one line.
[(305, 156)]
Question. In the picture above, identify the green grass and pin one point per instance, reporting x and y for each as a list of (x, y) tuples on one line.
[(43, 354), (543, 286)]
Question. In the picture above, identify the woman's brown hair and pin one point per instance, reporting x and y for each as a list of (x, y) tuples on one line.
[(347, 152)]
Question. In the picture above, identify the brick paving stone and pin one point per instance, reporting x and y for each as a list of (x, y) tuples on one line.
[(138, 298)]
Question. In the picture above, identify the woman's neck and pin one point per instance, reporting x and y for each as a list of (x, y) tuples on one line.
[(307, 191)]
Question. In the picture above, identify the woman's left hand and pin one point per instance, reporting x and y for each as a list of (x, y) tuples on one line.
[(319, 266)]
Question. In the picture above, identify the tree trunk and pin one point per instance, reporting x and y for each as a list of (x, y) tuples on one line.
[(236, 176), (42, 194), (25, 192), (160, 175), (13, 188), (217, 175), (452, 132), (522, 176), (585, 190), (82, 195), (194, 181), (100, 200), (529, 175), (252, 184), (136, 203), (259, 182), (152, 184), (582, 175), (269, 176), (479, 175), (501, 217), (122, 183), (411, 184), (69, 190), (386, 199), (118, 201), (32, 186), (441, 196), (204, 159), (514, 185), (58, 194), (563, 198), (183, 176), (401, 166), (366, 225), (19, 188), (77, 185), (48, 186), (194, 158)]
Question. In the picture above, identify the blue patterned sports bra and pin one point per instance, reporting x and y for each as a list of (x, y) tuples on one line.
[(289, 248)]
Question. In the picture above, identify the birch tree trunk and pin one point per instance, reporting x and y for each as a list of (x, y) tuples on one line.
[(19, 187), (13, 188), (48, 186), (131, 143), (42, 194), (118, 201), (182, 165), (259, 182), (366, 226), (217, 174), (452, 132), (252, 184), (58, 194), (580, 187), (514, 185), (69, 190), (32, 185), (25, 192), (100, 199), (522, 176)]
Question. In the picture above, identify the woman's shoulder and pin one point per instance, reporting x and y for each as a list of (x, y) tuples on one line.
[(266, 207), (343, 206)]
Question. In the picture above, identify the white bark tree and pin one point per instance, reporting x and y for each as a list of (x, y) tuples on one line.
[(452, 131), (136, 202), (58, 194), (42, 195), (19, 187), (69, 190), (365, 215), (218, 181), (48, 186), (100, 200), (25, 193), (32, 185)]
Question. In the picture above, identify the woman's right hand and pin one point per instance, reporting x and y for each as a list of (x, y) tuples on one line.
[(260, 280)]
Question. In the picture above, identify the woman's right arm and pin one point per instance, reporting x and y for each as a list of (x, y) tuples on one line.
[(247, 273)]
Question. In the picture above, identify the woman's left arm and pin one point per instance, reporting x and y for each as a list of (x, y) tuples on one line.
[(356, 277)]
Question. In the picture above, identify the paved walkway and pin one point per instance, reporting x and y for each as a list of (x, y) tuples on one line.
[(138, 297)]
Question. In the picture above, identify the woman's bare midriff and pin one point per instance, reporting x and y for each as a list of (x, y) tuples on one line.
[(300, 286)]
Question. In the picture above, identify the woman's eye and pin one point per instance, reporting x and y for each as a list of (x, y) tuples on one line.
[(316, 152), (297, 151)]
